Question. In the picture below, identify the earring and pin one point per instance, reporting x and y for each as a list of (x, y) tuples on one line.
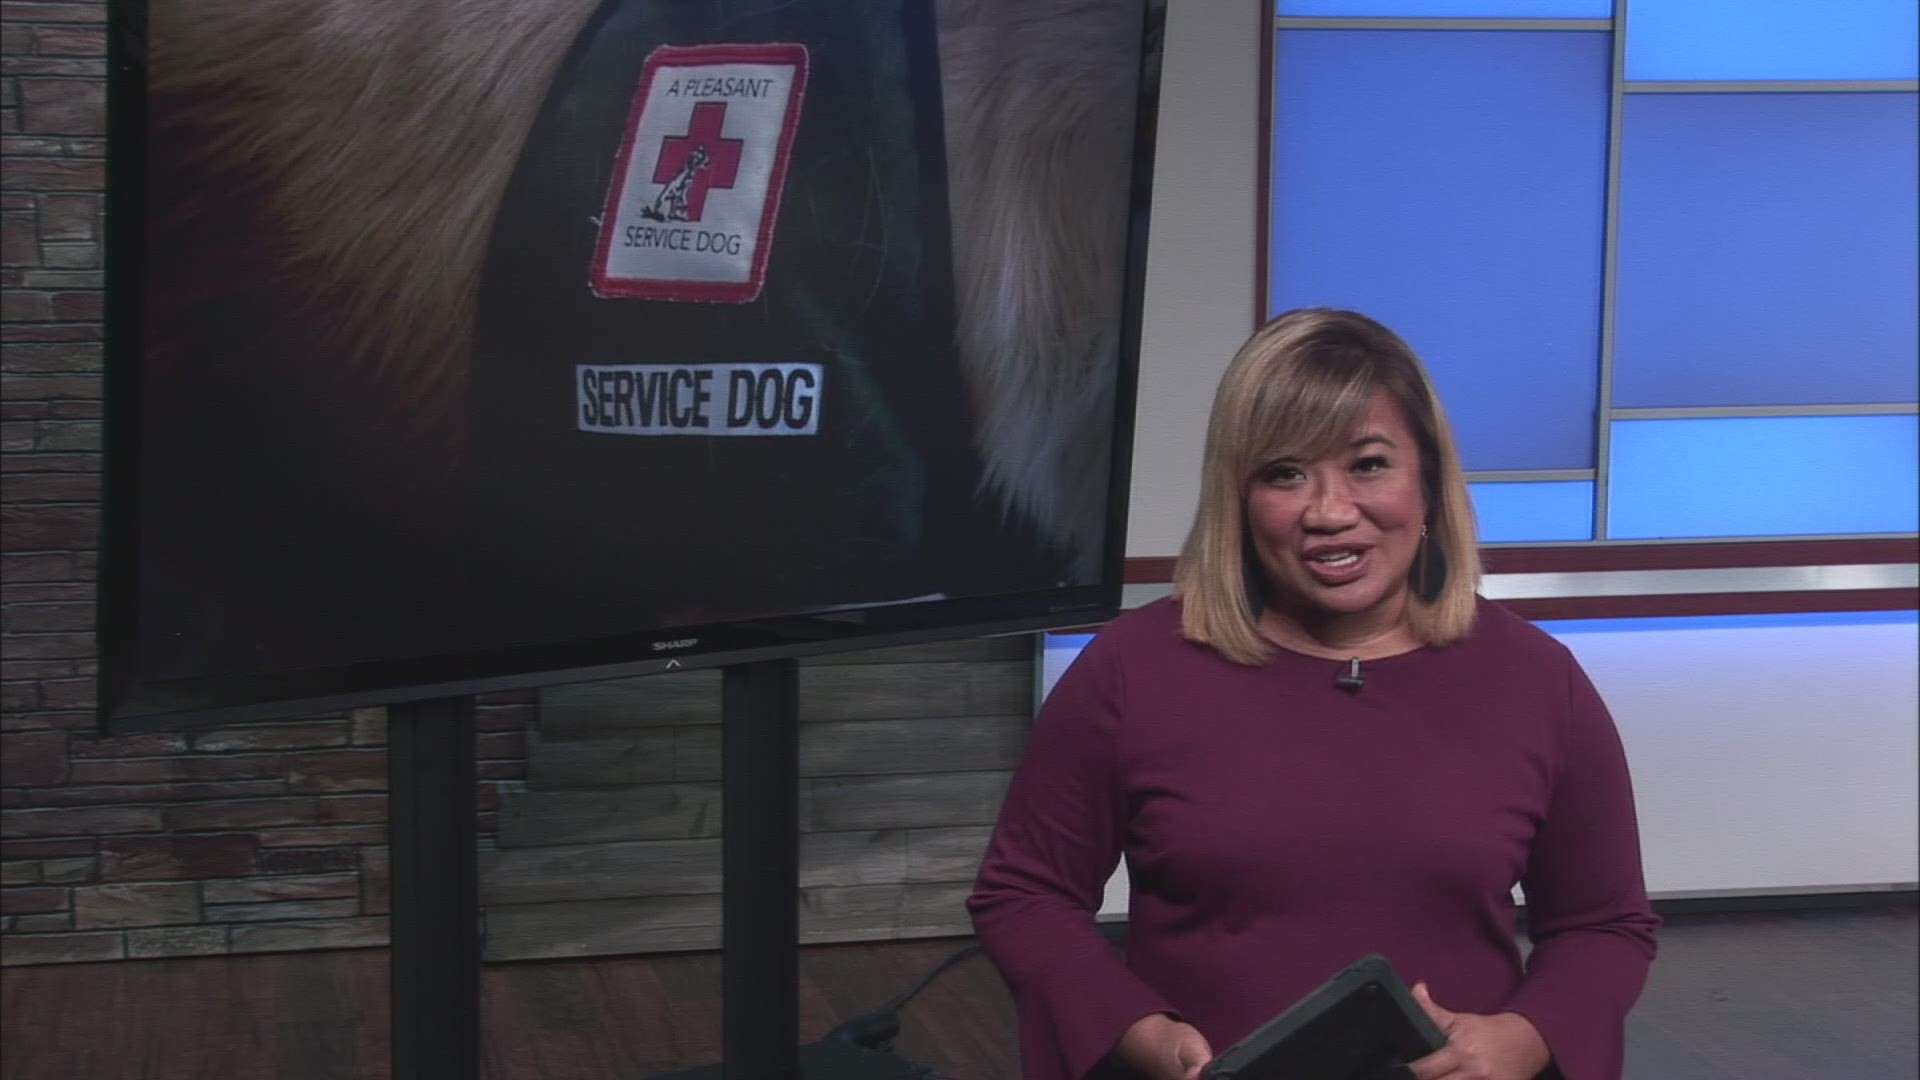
[(1429, 567)]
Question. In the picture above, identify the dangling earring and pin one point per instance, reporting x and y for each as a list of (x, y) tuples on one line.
[(1429, 567)]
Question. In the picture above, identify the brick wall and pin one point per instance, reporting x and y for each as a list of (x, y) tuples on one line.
[(245, 839)]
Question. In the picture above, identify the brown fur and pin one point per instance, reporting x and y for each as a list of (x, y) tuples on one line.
[(384, 182)]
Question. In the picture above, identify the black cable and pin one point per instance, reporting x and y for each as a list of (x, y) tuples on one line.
[(953, 958), (876, 1030)]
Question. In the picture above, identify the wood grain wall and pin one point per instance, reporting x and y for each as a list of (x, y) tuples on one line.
[(613, 846)]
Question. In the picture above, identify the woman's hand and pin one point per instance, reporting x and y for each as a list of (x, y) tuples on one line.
[(1162, 1048), (1504, 1046)]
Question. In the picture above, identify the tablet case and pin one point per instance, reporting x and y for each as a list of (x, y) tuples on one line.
[(1362, 1024)]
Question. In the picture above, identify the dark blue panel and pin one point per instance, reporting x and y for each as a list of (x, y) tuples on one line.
[(1764, 476), (1532, 511), (1766, 250), (1452, 184), (1452, 9), (1744, 40)]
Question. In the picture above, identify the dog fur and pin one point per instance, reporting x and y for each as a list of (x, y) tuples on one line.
[(350, 125)]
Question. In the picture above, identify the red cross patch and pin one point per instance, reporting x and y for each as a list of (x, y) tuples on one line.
[(696, 189)]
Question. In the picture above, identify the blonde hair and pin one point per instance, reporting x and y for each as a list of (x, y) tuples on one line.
[(1298, 388)]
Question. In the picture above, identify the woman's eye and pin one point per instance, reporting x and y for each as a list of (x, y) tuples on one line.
[(1368, 465), (1281, 474)]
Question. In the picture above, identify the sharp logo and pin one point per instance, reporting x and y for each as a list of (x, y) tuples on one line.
[(677, 643)]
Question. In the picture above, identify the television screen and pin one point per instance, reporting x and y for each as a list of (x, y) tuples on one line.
[(467, 345)]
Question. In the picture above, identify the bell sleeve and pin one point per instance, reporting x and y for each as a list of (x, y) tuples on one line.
[(1059, 837), (1587, 910)]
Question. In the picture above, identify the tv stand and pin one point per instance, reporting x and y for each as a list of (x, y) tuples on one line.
[(436, 932)]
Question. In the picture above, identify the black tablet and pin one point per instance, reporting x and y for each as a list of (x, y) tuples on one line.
[(1362, 1024)]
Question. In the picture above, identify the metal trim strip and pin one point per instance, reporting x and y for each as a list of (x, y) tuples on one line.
[(1773, 86), (1518, 476), (1346, 22), (1727, 412), (1630, 583)]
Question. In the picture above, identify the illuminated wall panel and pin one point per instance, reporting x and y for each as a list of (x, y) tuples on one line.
[(1452, 184)]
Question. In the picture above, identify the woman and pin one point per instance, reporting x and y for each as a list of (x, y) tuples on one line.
[(1325, 744)]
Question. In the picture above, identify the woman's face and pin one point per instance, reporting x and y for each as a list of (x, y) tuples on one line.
[(1337, 535)]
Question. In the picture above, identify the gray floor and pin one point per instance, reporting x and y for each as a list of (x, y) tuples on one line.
[(1778, 996), (1803, 996)]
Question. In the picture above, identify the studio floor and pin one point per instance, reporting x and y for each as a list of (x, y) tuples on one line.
[(1778, 996)]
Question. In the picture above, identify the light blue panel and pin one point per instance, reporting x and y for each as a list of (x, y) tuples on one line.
[(1520, 511), (1772, 39), (1452, 9), (1788, 619), (1058, 654), (1764, 476), (1766, 250), (1451, 184)]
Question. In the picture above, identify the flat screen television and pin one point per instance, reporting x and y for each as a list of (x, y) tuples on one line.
[(468, 346)]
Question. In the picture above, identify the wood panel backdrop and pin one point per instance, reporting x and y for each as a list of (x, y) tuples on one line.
[(614, 844)]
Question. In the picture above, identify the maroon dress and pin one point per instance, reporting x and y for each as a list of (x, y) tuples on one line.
[(1277, 827)]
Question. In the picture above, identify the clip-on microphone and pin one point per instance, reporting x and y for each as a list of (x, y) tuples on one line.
[(1350, 680)]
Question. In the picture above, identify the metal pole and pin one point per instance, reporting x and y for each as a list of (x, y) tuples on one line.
[(436, 906), (760, 858)]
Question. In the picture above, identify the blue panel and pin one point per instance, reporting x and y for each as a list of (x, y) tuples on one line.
[(1766, 250), (1452, 9), (1772, 39), (1520, 511), (1764, 476), (1059, 653), (1451, 184)]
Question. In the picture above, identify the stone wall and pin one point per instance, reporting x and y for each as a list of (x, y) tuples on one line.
[(245, 839), (256, 838)]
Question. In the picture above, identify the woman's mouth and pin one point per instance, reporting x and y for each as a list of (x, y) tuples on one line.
[(1337, 566)]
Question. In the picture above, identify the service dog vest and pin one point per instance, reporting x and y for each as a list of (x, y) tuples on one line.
[(715, 339)]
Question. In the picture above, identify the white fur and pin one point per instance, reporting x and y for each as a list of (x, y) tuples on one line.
[(1038, 156)]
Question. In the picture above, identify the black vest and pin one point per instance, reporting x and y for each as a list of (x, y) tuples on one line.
[(685, 413)]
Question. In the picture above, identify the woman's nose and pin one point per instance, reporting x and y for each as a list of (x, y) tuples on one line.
[(1331, 506)]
